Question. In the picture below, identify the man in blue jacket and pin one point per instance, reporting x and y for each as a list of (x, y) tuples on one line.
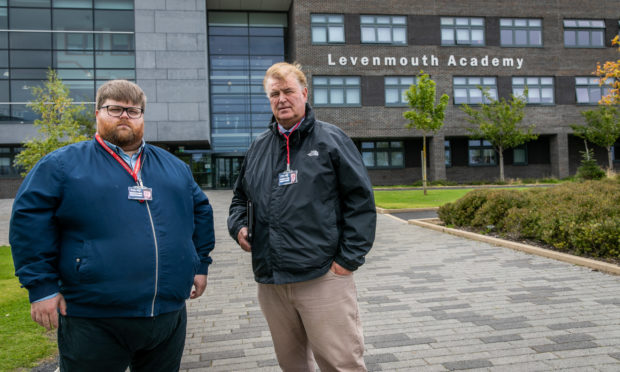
[(115, 235), (313, 224)]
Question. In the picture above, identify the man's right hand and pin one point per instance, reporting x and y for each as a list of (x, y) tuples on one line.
[(46, 312), (242, 238)]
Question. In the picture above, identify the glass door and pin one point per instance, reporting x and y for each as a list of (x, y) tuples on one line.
[(227, 171)]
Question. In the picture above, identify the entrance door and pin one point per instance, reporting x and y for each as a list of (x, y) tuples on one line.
[(226, 172)]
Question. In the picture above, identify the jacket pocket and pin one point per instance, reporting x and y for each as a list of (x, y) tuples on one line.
[(85, 264)]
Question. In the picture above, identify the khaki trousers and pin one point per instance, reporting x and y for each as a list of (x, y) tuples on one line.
[(317, 318)]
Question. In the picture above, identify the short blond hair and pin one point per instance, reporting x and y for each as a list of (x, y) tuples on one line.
[(282, 70), (122, 91)]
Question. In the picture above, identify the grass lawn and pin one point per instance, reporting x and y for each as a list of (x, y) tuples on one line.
[(23, 341), (416, 199)]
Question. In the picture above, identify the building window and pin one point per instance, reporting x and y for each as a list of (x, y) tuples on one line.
[(468, 90), (336, 90), (462, 31), (7, 157), (383, 154), (539, 89), (327, 28), (589, 91), (519, 155), (481, 153), (515, 32), (583, 33), (383, 29), (615, 152), (448, 151), (395, 88)]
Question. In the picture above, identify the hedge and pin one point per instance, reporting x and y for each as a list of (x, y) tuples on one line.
[(582, 218)]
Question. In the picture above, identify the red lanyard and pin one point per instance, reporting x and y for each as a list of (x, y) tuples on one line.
[(288, 149), (133, 172)]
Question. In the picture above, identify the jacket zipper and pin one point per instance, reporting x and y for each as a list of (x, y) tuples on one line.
[(156, 258)]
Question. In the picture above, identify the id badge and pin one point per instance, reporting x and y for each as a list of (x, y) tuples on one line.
[(287, 178), (140, 193)]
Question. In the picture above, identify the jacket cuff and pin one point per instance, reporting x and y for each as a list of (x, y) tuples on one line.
[(42, 290), (203, 269), (344, 264)]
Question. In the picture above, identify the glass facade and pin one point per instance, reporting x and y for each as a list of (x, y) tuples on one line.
[(242, 45), (86, 41)]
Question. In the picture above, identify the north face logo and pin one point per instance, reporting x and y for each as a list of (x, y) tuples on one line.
[(313, 153)]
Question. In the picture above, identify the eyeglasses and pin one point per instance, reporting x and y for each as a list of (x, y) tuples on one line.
[(117, 111)]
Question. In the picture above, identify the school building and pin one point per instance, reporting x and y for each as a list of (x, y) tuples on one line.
[(201, 64)]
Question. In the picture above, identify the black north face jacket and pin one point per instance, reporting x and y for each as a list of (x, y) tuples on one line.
[(301, 228)]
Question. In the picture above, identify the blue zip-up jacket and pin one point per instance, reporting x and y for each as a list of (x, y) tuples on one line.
[(73, 230)]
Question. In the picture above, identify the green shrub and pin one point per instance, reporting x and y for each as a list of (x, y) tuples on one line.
[(583, 218), (494, 210), (462, 211), (589, 169)]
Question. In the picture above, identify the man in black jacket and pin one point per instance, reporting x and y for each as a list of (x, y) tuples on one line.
[(313, 224)]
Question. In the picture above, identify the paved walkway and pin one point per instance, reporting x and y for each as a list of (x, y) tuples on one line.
[(429, 302)]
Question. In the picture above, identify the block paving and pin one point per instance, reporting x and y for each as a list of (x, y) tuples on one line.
[(429, 302)]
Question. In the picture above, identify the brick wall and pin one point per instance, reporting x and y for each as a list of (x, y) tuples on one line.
[(375, 120)]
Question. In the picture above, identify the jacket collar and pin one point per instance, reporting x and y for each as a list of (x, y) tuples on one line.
[(304, 128)]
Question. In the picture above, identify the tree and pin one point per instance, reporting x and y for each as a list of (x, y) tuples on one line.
[(610, 70), (589, 170), (424, 114), (499, 123), (602, 128), (62, 122)]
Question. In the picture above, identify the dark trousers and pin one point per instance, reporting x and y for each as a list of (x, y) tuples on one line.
[(112, 344)]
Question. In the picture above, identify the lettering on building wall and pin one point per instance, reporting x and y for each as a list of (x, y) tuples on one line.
[(432, 60)]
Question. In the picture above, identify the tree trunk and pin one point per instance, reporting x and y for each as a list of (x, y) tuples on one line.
[(424, 164), (610, 158), (501, 164)]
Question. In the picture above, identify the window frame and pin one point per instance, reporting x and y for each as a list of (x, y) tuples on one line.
[(593, 83), (400, 86), (10, 154), (330, 87), (390, 150), (326, 26), (523, 148), (474, 87), (528, 28), (451, 24), (481, 146), (590, 29), (539, 86), (375, 25)]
